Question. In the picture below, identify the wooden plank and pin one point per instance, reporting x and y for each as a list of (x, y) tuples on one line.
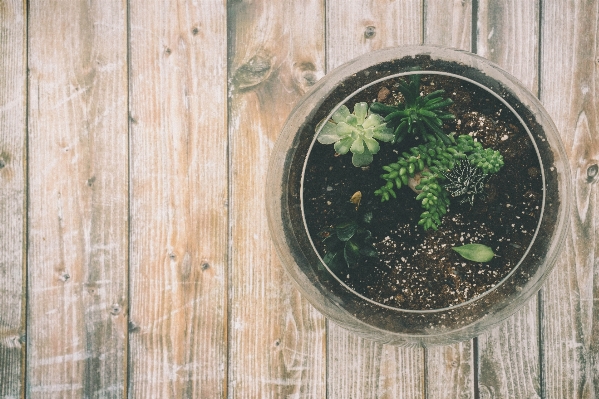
[(448, 23), (449, 369), (358, 367), (569, 90), (372, 370), (77, 244), (365, 25), (277, 340), (178, 199), (508, 34), (12, 194)]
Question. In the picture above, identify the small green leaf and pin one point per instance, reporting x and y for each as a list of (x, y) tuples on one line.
[(346, 230), (351, 253), (475, 252)]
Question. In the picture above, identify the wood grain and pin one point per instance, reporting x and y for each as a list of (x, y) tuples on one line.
[(449, 369), (178, 199), (448, 23), (508, 34), (12, 194), (372, 370), (77, 244), (569, 91), (358, 367), (277, 339)]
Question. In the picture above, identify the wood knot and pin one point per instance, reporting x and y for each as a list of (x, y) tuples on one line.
[(592, 172), (252, 73), (305, 74), (369, 32)]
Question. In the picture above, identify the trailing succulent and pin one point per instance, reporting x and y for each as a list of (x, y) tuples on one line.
[(357, 132), (464, 163), (422, 115), (348, 240)]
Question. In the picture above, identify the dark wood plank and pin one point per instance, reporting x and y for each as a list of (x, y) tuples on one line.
[(569, 90), (179, 216), (358, 367), (277, 339), (77, 243), (508, 34), (12, 194), (450, 368)]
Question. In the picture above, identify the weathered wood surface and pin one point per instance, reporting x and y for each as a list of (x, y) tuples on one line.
[(570, 93), (132, 162), (277, 340), (178, 200), (77, 205), (13, 37)]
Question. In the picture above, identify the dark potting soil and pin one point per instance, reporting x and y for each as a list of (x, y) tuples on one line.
[(417, 269)]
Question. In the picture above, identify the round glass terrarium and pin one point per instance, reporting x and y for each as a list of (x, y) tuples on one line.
[(411, 287)]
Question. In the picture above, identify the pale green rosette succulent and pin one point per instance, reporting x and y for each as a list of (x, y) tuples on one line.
[(357, 132)]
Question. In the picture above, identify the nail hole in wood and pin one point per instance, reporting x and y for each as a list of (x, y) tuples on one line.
[(115, 309), (205, 265), (2, 164), (64, 277), (195, 31)]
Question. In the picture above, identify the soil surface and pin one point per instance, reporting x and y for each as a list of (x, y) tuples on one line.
[(417, 269)]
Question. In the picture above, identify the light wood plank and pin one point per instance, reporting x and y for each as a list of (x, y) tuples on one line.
[(12, 194), (361, 26), (508, 34), (449, 369), (277, 340), (569, 90), (77, 253), (448, 23), (358, 367), (178, 199)]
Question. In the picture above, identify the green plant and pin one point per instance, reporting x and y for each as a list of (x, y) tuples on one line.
[(418, 114), (348, 240), (475, 252), (434, 162), (357, 132)]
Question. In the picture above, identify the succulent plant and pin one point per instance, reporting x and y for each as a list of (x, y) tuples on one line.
[(435, 161), (465, 180), (357, 132), (348, 240), (418, 114)]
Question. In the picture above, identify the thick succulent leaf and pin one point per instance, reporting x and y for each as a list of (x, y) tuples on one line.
[(369, 251), (475, 252), (351, 253), (352, 120), (383, 134), (373, 120), (346, 230), (344, 129), (372, 145), (360, 110), (342, 146), (341, 114), (362, 159), (358, 146), (329, 134)]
